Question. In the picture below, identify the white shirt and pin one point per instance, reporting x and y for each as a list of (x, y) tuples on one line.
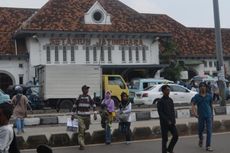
[(6, 137), (127, 110)]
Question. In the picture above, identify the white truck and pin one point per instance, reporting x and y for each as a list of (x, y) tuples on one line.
[(60, 85)]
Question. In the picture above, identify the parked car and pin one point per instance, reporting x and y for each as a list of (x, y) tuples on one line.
[(4, 97), (140, 84), (151, 95)]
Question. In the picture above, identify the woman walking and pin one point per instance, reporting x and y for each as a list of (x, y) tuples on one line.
[(124, 114)]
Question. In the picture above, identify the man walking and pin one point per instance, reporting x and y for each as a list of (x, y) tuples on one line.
[(203, 100), (82, 109), (167, 120)]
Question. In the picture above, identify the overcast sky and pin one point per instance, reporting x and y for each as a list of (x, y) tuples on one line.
[(193, 13)]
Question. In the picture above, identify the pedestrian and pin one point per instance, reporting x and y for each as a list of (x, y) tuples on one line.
[(204, 113), (166, 112), (82, 111), (124, 115), (20, 103), (107, 115), (216, 92), (6, 130)]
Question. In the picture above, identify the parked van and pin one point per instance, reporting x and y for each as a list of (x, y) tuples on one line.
[(140, 84)]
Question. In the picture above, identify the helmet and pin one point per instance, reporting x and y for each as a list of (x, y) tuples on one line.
[(18, 89)]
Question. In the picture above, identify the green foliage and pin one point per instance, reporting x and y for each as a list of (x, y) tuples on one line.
[(168, 56), (172, 72), (169, 52)]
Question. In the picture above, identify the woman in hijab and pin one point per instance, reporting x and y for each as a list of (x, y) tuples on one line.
[(124, 115), (107, 114)]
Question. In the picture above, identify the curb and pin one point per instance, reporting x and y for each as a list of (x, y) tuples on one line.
[(135, 116), (138, 133)]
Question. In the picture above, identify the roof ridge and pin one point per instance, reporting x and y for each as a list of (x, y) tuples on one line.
[(27, 21), (19, 8)]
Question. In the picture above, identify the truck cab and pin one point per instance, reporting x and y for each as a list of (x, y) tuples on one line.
[(115, 84)]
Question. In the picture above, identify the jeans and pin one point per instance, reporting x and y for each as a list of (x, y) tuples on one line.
[(202, 122), (108, 133), (20, 125), (124, 128), (165, 128)]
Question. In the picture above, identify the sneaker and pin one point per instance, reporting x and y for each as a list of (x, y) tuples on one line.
[(81, 148), (209, 149), (200, 143), (108, 143)]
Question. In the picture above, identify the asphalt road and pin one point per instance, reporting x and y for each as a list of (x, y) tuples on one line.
[(221, 144)]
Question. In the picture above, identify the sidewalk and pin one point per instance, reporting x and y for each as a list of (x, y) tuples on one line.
[(48, 130)]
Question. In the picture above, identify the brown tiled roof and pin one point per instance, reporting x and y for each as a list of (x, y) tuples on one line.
[(188, 41), (68, 15), (10, 20), (208, 34)]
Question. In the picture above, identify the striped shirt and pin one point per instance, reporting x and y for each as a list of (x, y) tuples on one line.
[(83, 105)]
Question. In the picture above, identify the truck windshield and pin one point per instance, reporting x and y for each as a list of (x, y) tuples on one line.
[(117, 81)]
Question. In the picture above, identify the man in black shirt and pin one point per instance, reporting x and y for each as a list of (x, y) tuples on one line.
[(167, 120)]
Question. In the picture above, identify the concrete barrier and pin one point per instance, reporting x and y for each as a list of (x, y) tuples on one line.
[(36, 140), (154, 115), (226, 125), (156, 132), (48, 120), (117, 136), (74, 139), (228, 110), (183, 113), (142, 133), (21, 142), (32, 121), (63, 119), (57, 140), (98, 137), (217, 126), (140, 116), (220, 110), (193, 128), (182, 129), (87, 138)]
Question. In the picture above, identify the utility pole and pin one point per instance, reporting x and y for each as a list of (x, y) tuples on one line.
[(219, 53)]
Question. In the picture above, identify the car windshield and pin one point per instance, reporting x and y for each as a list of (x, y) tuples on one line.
[(135, 84), (149, 88)]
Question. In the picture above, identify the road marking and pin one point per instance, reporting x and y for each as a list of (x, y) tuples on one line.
[(117, 143)]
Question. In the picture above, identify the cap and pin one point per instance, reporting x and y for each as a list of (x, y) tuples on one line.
[(85, 87), (202, 84)]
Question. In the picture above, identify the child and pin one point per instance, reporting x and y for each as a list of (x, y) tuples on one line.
[(6, 130), (124, 113)]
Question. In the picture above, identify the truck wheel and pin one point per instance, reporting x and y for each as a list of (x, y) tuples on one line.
[(66, 104)]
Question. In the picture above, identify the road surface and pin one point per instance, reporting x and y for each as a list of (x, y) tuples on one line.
[(189, 144)]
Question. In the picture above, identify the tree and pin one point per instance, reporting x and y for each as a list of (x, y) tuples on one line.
[(168, 56), (172, 72)]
